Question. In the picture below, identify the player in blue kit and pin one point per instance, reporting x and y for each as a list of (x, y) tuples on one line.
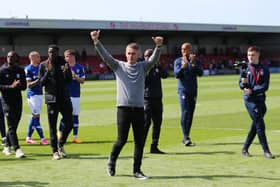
[(74, 89), (34, 97)]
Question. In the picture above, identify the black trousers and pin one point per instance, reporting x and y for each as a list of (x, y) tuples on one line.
[(153, 112), (65, 108), (2, 122), (127, 116), (256, 111), (13, 115)]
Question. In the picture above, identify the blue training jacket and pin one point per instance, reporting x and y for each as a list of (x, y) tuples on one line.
[(187, 77), (258, 81)]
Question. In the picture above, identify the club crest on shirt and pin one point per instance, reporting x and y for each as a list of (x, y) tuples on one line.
[(7, 75), (17, 75)]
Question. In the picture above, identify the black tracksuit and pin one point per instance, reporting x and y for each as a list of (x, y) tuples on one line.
[(57, 99), (12, 99), (2, 121), (153, 102)]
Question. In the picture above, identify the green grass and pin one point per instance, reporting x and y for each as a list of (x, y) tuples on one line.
[(220, 126)]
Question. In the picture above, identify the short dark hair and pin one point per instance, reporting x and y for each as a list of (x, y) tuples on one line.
[(133, 46), (16, 55), (54, 46), (254, 48)]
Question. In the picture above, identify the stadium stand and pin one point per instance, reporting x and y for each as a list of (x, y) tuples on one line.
[(216, 46)]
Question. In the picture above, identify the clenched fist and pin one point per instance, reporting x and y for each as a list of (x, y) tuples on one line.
[(158, 40), (95, 35)]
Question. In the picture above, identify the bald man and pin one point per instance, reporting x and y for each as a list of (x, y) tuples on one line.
[(187, 68)]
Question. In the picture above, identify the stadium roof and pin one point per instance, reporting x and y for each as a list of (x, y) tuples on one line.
[(54, 24)]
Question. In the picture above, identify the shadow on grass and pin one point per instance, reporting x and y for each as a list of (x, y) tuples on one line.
[(82, 156), (226, 143), (24, 183), (98, 142), (202, 153), (83, 142), (231, 143), (33, 145), (95, 156), (40, 154), (212, 177), (13, 159), (70, 142), (79, 156), (70, 155)]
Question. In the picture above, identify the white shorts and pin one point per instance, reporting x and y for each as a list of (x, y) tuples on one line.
[(35, 104), (76, 105)]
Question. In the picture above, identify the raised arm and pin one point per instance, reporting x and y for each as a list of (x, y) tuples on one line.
[(158, 40), (103, 53)]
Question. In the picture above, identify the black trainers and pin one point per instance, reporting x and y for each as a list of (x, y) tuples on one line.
[(187, 142), (268, 155), (62, 152), (245, 152), (111, 169), (155, 150), (140, 175)]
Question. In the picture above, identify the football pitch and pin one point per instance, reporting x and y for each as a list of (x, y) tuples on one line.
[(219, 129)]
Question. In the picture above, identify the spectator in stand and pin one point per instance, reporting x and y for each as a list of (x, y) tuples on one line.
[(102, 68), (34, 97), (211, 68), (84, 55), (87, 69)]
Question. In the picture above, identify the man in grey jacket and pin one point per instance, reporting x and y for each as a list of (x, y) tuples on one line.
[(130, 78)]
